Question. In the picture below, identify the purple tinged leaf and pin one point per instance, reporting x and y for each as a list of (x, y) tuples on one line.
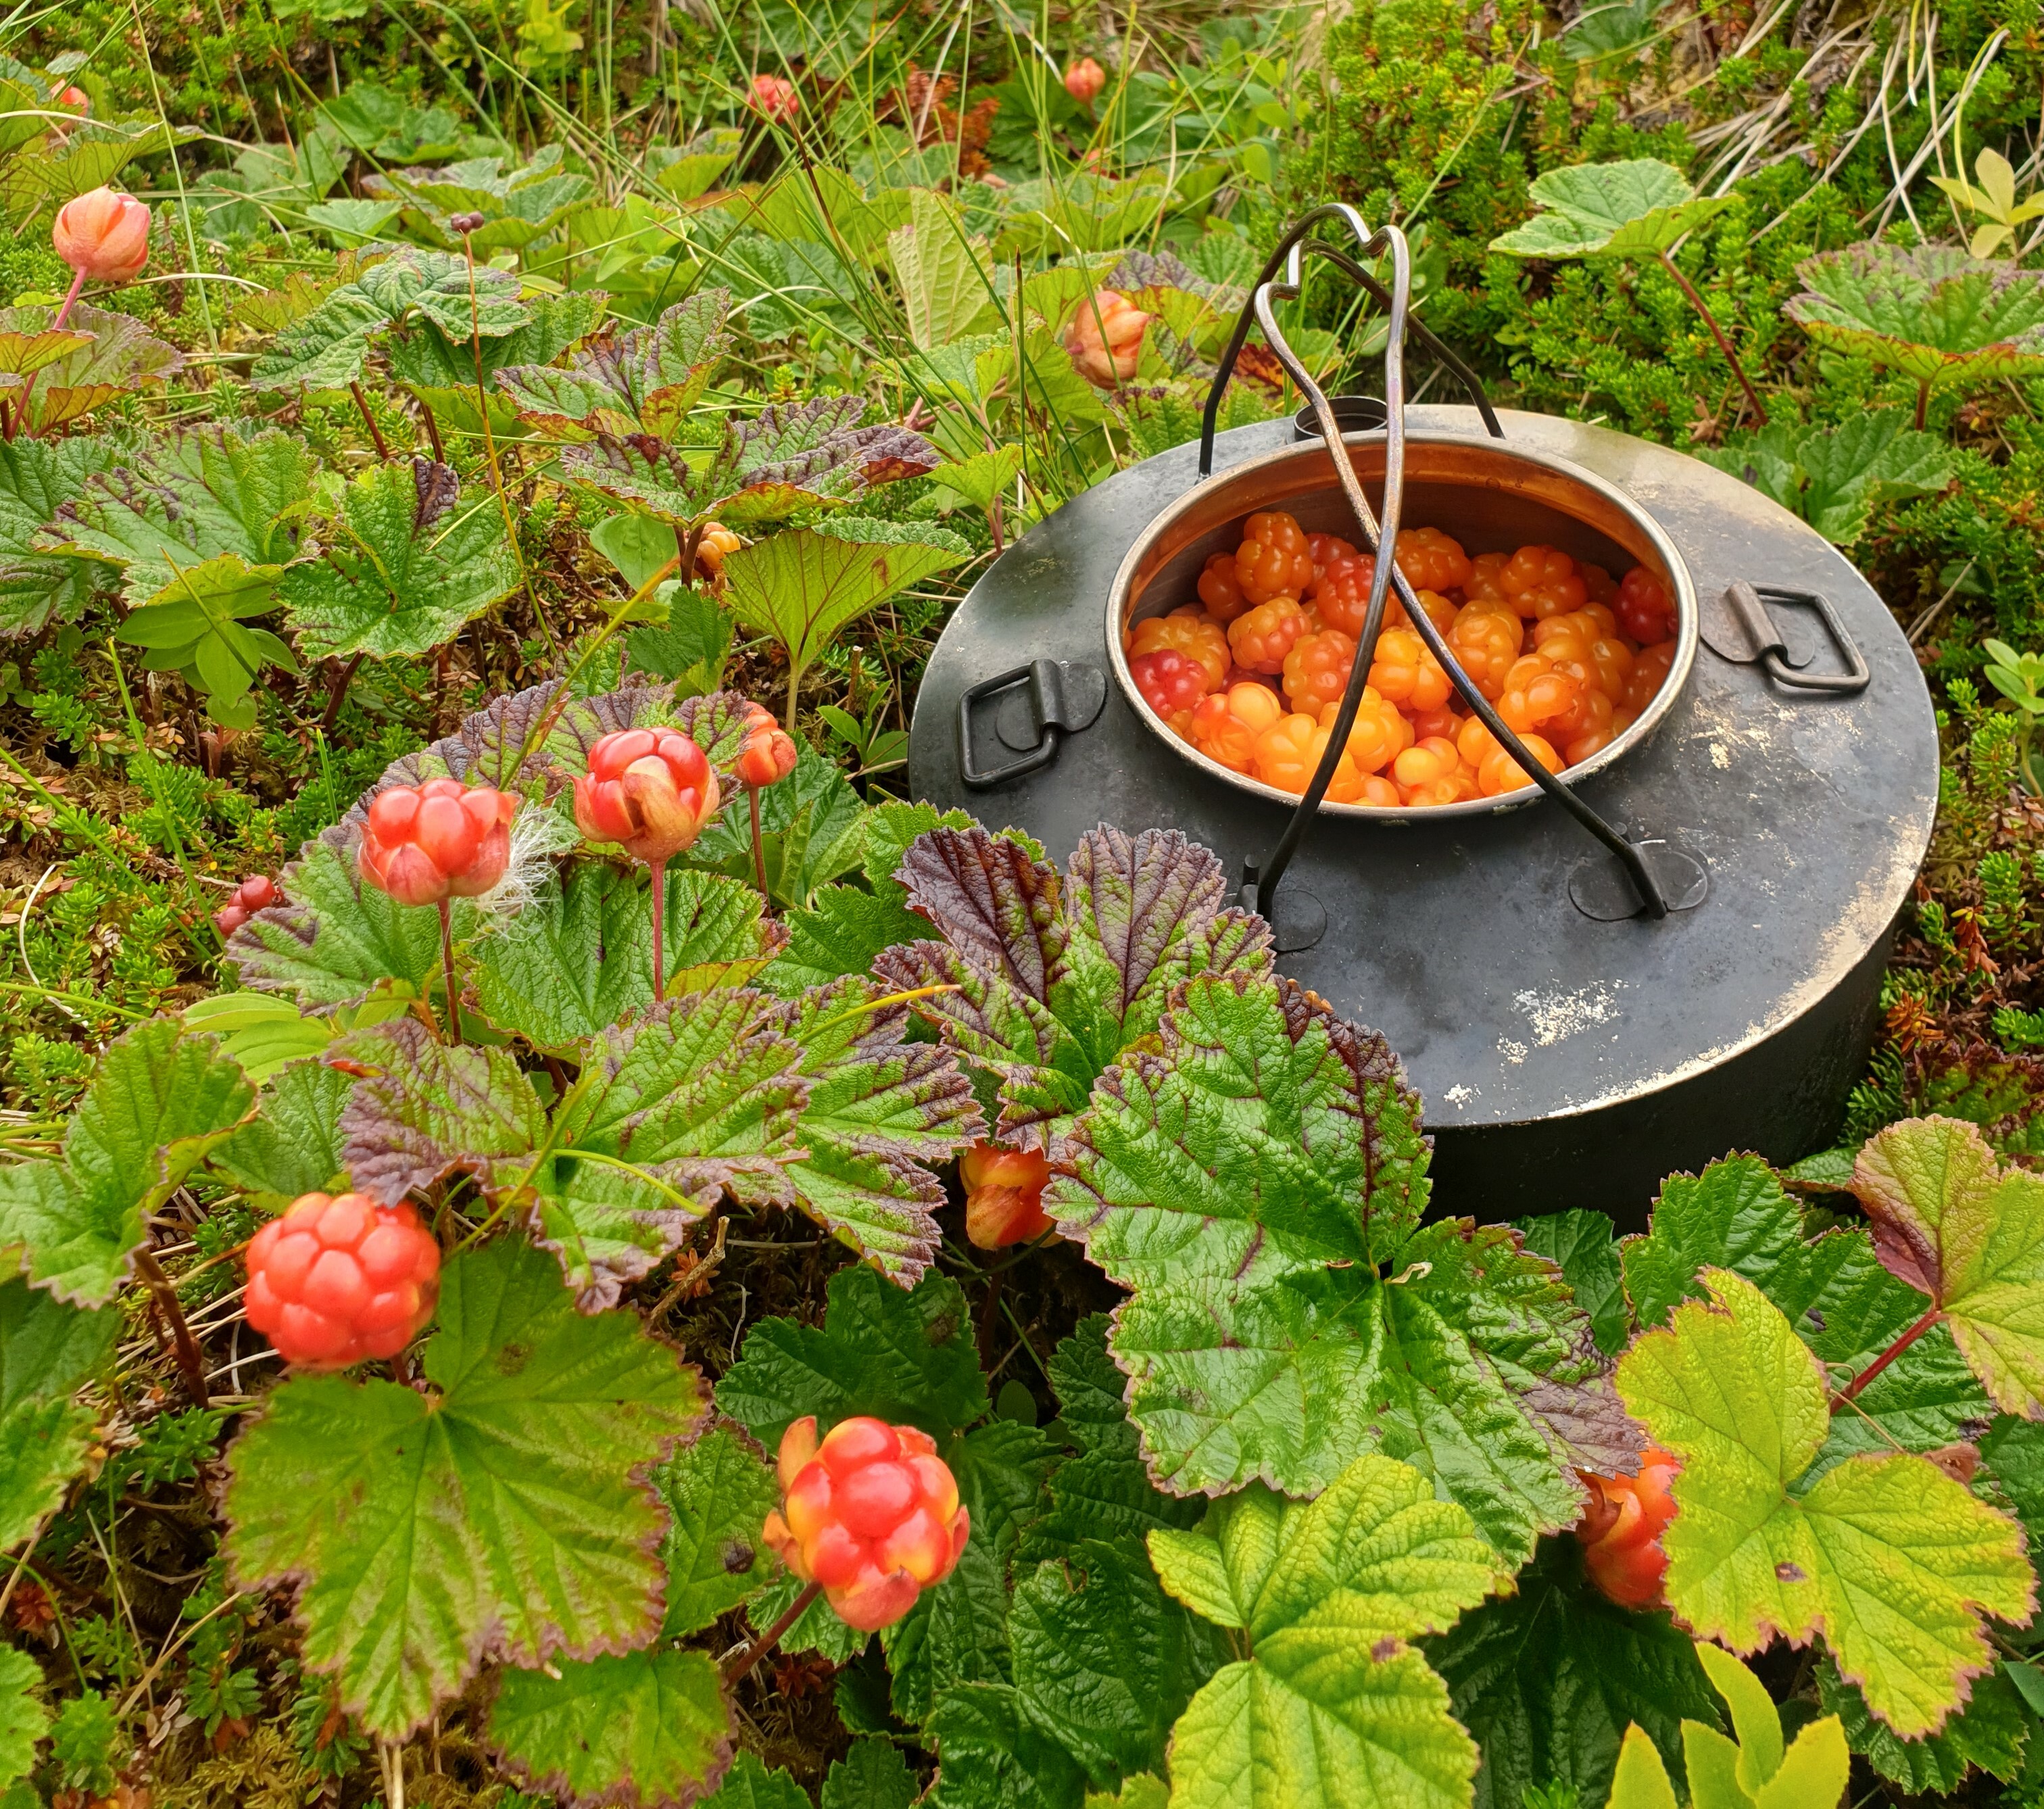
[(644, 382), (436, 488), (1911, 1178), (421, 1110), (993, 904)]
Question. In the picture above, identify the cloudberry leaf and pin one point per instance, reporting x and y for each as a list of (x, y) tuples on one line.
[(1934, 314), (47, 1350), (957, 1632), (37, 478), (579, 958), (1951, 1224), (502, 1513), (1548, 1679), (1055, 976), (880, 1109), (749, 1785), (327, 350), (1990, 1732), (1833, 477), (422, 1109), (702, 1095), (1104, 1662), (643, 381), (645, 1728), (1887, 1557), (1333, 1707), (1579, 1244), (119, 356), (806, 586), (719, 1491), (992, 1755), (872, 1774), (443, 364), (1144, 1792), (812, 828), (906, 1356), (339, 938), (1637, 208), (791, 456), (293, 1144), (23, 1719), (1842, 1303), (191, 495), (405, 561), (1256, 1181), (161, 1099)]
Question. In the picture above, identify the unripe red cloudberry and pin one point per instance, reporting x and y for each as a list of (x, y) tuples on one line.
[(775, 97), (871, 1513), (1621, 1528), (1084, 81), (339, 1279), (425, 844), (769, 753), (650, 790), (1004, 1195), (258, 893)]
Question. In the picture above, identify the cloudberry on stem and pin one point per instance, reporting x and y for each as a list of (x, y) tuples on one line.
[(339, 1279), (1004, 1198), (870, 1514), (1621, 1529)]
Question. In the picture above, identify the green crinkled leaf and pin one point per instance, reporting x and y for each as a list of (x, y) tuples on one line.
[(646, 1728), (991, 1755), (1951, 1224), (957, 1632), (1579, 1244), (1055, 976), (719, 1493), (1104, 1662), (749, 1785), (161, 1099), (1256, 1181), (328, 349), (1887, 1557), (1548, 1678), (1734, 1215), (903, 1356), (47, 1350), (121, 356), (843, 930), (1834, 477), (24, 1721), (644, 381), (496, 1516), (1990, 1732), (404, 562), (1332, 1707), (193, 495), (1636, 209), (880, 1111), (1934, 313), (431, 358), (872, 1774), (805, 586), (421, 1109), (293, 1144), (37, 478), (579, 958), (701, 1098)]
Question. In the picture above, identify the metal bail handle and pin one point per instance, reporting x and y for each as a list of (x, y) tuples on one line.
[(1650, 896), (1062, 697), (1744, 631)]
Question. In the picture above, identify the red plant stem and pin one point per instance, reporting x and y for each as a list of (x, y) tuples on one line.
[(1922, 403), (771, 1637), (659, 910), (338, 694), (369, 421), (1850, 1391), (20, 413), (189, 1364), (433, 432), (1717, 332), (758, 853), (447, 955)]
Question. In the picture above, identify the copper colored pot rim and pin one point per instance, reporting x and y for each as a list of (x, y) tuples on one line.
[(1300, 476)]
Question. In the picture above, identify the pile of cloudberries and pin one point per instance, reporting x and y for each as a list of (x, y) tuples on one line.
[(1252, 675)]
